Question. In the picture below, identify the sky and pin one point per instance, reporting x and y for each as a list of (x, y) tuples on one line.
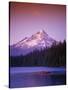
[(28, 18)]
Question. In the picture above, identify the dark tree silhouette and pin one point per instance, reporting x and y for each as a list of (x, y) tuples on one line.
[(52, 56)]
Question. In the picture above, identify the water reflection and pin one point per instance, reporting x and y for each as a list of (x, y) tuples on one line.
[(36, 79)]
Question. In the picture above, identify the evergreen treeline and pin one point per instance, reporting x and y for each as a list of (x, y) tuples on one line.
[(53, 56)]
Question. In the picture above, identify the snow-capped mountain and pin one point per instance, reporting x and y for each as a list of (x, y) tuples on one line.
[(37, 41)]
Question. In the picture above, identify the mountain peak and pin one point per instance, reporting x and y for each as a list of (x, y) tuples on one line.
[(37, 41), (37, 38), (42, 32)]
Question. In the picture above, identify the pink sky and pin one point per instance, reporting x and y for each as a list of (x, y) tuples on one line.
[(28, 18)]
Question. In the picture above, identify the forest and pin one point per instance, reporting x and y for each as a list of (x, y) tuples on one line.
[(54, 56)]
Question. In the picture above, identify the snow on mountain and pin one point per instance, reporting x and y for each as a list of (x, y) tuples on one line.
[(37, 41)]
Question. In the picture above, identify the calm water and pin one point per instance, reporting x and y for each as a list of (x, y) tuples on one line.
[(36, 76)]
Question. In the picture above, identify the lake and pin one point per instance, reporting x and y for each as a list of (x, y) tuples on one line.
[(36, 76)]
